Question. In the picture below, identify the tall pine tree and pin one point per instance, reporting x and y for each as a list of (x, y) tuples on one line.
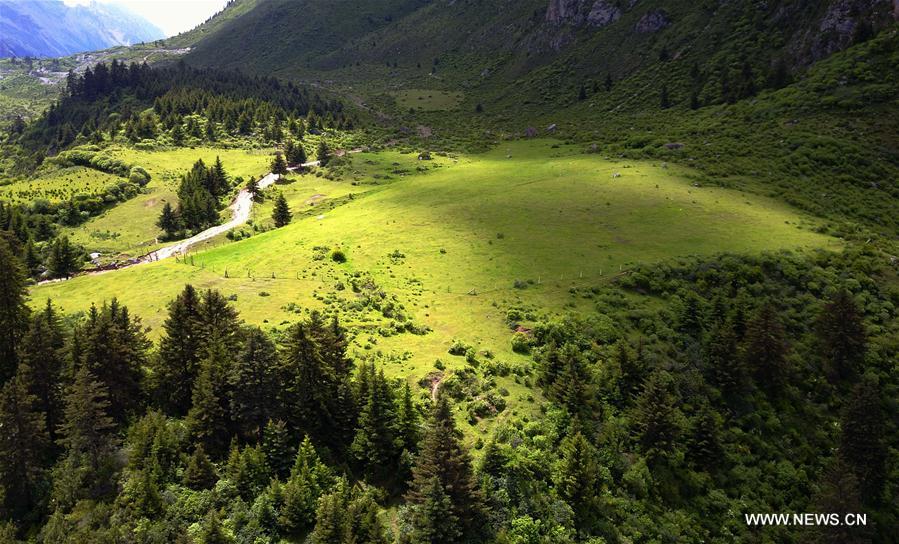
[(443, 484)]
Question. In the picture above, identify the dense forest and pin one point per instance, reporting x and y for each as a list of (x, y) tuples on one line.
[(143, 103), (696, 389)]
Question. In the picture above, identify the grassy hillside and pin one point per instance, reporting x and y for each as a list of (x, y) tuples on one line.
[(455, 244)]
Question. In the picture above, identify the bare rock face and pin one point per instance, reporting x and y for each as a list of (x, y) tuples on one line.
[(605, 13), (594, 13), (653, 21)]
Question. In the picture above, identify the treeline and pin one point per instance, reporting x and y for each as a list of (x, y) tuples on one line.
[(252, 436), (108, 98)]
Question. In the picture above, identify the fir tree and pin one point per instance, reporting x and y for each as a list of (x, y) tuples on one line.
[(276, 443), (13, 309), (323, 153), (220, 324), (279, 165), (24, 448), (115, 350), (725, 367), (837, 493), (43, 357), (207, 419), (332, 525), (704, 440), (254, 385), (180, 350), (581, 481), (212, 531), (307, 384), (169, 222), (765, 348), (443, 483), (87, 436), (841, 336), (375, 444), (281, 214), (435, 520), (657, 420), (200, 472), (65, 258), (863, 443), (664, 99), (253, 188), (309, 478)]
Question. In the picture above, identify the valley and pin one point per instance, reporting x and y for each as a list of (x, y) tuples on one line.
[(441, 272)]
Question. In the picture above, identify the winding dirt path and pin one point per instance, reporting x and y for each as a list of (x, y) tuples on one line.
[(240, 207)]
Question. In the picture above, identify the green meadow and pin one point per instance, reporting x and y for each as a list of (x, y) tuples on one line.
[(427, 99), (58, 185), (450, 244)]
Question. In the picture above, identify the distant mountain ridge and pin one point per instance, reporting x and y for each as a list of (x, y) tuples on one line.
[(50, 28)]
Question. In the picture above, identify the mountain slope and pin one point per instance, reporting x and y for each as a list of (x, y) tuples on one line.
[(53, 29)]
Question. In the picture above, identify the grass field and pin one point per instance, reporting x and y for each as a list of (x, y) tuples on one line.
[(455, 246), (129, 229), (428, 100), (58, 186)]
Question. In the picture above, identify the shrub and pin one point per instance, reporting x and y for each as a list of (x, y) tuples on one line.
[(521, 343), (338, 256)]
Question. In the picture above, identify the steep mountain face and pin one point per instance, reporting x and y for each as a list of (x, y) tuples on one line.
[(50, 28), (506, 39)]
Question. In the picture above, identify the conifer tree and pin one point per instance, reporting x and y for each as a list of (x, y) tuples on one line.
[(309, 478), (254, 385), (306, 384), (657, 420), (443, 483), (279, 165), (838, 493), (332, 525), (281, 214), (253, 188), (200, 472), (765, 348), (863, 444), (435, 520), (664, 99), (24, 448), (704, 440), (220, 325), (115, 350), (407, 421), (581, 481), (169, 222), (87, 436), (276, 444), (212, 531), (725, 367), (43, 357), (841, 336), (177, 365), (207, 419), (218, 179), (375, 444), (13, 310), (323, 153), (65, 258)]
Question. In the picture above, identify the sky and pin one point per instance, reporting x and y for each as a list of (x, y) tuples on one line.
[(171, 16)]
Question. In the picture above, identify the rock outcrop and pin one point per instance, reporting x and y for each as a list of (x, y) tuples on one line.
[(593, 13), (653, 21)]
